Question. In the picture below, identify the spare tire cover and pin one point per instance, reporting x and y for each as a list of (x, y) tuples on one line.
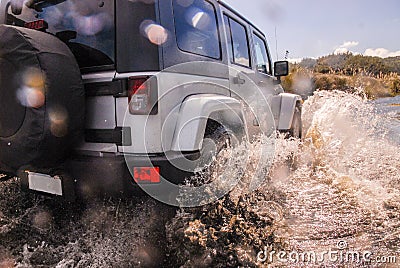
[(41, 99)]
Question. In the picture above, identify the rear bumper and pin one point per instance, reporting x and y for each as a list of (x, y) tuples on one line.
[(110, 174)]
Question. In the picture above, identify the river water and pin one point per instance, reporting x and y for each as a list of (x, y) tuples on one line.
[(334, 196), (390, 107), (344, 193)]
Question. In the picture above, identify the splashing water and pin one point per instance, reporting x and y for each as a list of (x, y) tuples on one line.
[(346, 185), (338, 186)]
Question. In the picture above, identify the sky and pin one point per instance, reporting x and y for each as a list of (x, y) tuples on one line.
[(314, 28)]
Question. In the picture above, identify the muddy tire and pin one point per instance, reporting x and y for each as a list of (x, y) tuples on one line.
[(296, 129), (216, 140), (41, 100)]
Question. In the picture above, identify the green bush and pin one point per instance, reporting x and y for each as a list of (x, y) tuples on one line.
[(395, 86)]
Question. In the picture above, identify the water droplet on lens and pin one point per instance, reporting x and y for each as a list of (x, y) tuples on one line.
[(32, 91), (58, 122), (155, 33)]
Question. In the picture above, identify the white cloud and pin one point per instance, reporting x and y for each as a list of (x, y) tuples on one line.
[(381, 52), (344, 48), (295, 60), (350, 44), (341, 50)]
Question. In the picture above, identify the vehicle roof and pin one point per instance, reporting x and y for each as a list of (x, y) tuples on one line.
[(222, 3)]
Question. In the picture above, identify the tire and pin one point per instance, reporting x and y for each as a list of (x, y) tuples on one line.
[(41, 100), (296, 129), (216, 140)]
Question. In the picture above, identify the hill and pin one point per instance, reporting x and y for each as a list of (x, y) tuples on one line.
[(374, 76), (350, 64)]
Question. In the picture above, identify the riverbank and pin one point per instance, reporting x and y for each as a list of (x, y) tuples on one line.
[(375, 77), (304, 82)]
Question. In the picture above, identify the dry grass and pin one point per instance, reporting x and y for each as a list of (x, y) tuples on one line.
[(304, 82)]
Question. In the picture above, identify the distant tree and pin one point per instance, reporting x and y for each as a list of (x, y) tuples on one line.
[(308, 63), (334, 63), (369, 65), (395, 87), (377, 77), (349, 64), (393, 64)]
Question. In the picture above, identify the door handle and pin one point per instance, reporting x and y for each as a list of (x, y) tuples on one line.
[(239, 81)]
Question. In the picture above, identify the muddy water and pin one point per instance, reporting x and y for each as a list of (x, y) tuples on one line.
[(345, 189), (335, 195), (337, 191)]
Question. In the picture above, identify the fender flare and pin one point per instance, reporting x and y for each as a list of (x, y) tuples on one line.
[(288, 106), (3, 15), (194, 113)]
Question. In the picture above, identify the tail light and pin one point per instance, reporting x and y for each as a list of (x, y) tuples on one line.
[(39, 25), (142, 95)]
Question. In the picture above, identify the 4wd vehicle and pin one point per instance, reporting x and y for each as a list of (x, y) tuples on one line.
[(101, 95)]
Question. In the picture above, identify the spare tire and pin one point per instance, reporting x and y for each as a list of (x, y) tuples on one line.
[(41, 99)]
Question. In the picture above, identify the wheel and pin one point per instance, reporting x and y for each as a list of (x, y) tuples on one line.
[(41, 100), (296, 129), (214, 154)]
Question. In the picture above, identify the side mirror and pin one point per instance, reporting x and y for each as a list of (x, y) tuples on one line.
[(281, 68), (66, 36)]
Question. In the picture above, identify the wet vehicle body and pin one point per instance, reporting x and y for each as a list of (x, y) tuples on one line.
[(133, 124)]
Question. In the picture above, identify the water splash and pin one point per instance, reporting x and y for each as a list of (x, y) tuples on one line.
[(340, 183), (346, 182)]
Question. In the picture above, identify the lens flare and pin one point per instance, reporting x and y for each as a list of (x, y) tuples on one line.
[(32, 92), (34, 78), (42, 220), (198, 18), (58, 122), (156, 34), (92, 24)]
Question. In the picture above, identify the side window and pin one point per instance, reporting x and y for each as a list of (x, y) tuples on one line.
[(229, 37), (196, 28), (262, 59), (238, 43)]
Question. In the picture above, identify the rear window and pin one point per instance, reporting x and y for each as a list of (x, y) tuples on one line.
[(86, 26), (196, 28)]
